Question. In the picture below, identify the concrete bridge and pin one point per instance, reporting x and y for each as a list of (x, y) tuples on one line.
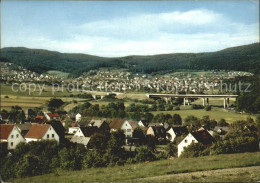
[(186, 98)]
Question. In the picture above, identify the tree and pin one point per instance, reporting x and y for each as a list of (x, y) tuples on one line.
[(177, 119), (194, 150), (54, 104), (222, 122), (16, 114), (29, 165), (98, 141), (144, 154), (208, 108), (139, 133), (171, 150)]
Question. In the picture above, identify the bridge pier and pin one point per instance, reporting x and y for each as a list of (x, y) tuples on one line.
[(203, 101), (184, 101), (226, 102)]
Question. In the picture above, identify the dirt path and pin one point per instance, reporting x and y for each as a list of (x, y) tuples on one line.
[(244, 173)]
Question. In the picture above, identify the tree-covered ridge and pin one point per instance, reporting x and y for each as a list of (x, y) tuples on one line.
[(243, 58)]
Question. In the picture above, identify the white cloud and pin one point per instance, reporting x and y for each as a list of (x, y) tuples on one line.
[(146, 34)]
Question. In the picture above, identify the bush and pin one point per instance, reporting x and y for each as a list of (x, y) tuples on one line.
[(195, 106), (144, 154), (177, 108), (208, 108), (194, 150), (171, 150)]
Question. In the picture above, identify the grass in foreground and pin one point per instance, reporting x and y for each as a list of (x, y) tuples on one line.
[(157, 168)]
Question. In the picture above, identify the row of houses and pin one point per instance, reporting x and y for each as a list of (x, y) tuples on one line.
[(84, 131), (13, 134)]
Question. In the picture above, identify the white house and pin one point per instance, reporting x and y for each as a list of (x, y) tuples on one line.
[(41, 132), (121, 124), (201, 136), (11, 135), (72, 130), (173, 132), (78, 117)]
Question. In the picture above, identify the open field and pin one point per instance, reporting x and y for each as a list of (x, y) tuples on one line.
[(215, 113), (27, 102), (245, 174), (168, 168)]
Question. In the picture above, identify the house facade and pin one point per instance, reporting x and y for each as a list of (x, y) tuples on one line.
[(11, 135), (78, 117), (121, 124), (201, 136), (52, 116), (41, 132)]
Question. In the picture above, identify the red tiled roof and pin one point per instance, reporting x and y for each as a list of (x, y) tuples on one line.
[(133, 124), (37, 131), (5, 130), (39, 117), (53, 115)]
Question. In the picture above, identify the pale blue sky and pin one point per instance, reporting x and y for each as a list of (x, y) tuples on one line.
[(114, 28)]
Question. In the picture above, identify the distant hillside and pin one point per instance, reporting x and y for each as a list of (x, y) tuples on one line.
[(244, 58)]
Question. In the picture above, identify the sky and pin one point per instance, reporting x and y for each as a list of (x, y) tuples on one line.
[(121, 28)]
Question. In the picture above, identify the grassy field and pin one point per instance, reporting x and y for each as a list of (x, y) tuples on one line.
[(135, 172), (215, 113), (26, 101)]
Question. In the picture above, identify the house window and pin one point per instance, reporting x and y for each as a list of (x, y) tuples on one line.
[(17, 135), (12, 143), (12, 136), (52, 135), (185, 141), (50, 128), (48, 136), (193, 141), (128, 130), (125, 124)]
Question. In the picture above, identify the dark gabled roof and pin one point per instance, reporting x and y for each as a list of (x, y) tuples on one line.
[(83, 123), (89, 130), (116, 123), (24, 128), (98, 123), (159, 131), (203, 136), (180, 130), (5, 130)]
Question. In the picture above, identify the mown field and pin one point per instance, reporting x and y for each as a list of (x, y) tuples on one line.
[(215, 113), (166, 169)]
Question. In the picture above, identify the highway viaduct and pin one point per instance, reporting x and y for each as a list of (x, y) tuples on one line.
[(186, 97)]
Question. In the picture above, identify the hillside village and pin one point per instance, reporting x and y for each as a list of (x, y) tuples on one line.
[(124, 81)]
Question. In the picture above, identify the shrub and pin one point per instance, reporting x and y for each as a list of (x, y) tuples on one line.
[(195, 150), (208, 108), (177, 108), (144, 154)]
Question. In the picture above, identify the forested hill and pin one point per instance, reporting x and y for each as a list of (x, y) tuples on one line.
[(244, 58)]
